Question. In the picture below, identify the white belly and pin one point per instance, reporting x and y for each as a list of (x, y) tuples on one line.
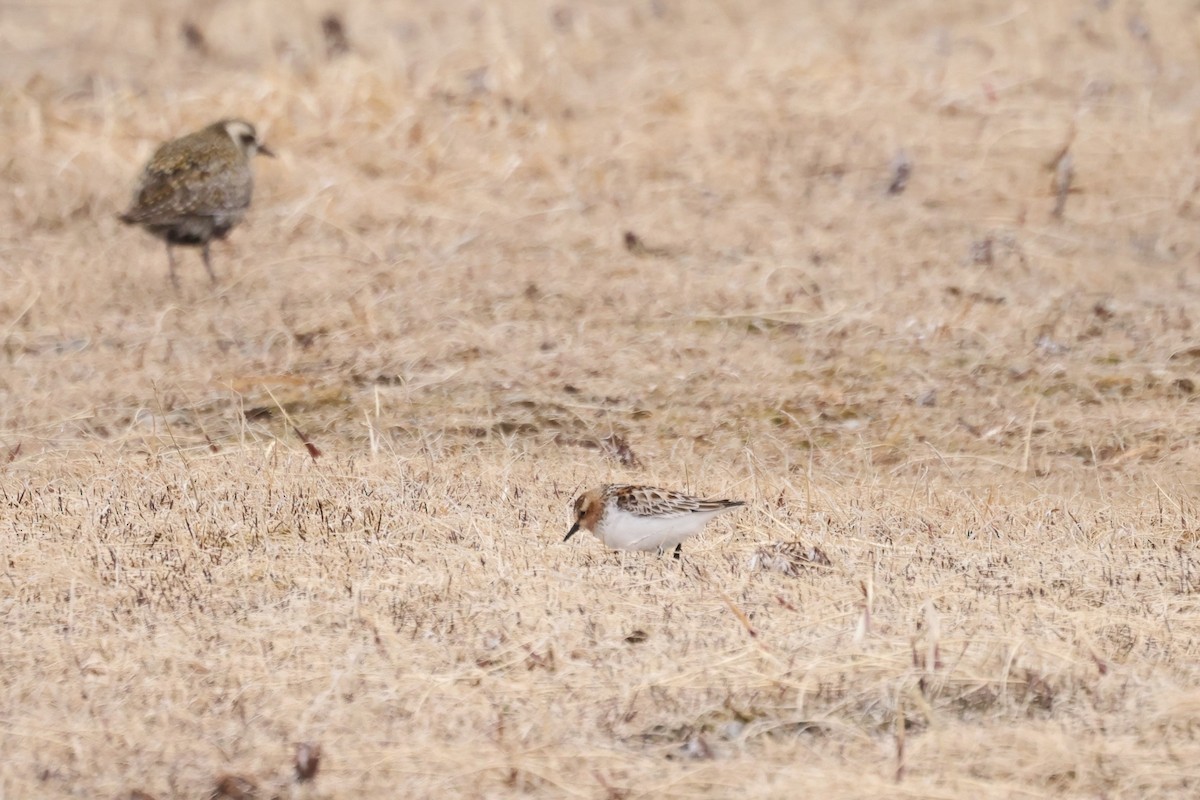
[(624, 531)]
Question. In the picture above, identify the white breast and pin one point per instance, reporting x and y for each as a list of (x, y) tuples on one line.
[(624, 531)]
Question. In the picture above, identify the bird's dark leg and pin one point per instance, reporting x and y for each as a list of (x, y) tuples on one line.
[(678, 550), (171, 266), (212, 276)]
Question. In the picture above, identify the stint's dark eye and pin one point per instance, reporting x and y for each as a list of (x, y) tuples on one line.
[(248, 139)]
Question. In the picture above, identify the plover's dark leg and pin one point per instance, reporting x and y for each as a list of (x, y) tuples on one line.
[(171, 266), (678, 549), (212, 276)]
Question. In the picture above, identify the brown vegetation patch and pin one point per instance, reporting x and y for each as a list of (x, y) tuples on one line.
[(920, 289)]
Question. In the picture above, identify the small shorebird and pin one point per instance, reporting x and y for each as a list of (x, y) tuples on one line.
[(197, 188), (644, 518)]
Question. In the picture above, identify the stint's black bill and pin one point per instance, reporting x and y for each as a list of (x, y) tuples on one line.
[(571, 532), (263, 150)]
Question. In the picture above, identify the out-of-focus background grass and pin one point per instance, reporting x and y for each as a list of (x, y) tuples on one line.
[(917, 280)]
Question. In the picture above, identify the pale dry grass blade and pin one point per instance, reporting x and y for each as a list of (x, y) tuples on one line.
[(300, 535)]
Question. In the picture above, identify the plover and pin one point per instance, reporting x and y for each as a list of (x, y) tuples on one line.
[(197, 188)]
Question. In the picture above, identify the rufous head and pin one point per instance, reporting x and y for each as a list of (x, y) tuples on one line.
[(589, 506)]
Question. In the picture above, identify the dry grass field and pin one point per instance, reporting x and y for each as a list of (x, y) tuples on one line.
[(510, 251)]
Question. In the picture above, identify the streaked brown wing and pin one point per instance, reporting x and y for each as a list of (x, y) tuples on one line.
[(177, 184), (647, 501)]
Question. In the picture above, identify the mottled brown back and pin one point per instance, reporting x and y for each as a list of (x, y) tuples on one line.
[(202, 174)]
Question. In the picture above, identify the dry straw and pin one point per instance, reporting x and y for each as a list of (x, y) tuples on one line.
[(915, 280)]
